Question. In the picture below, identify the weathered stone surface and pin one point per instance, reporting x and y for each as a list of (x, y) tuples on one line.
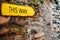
[(4, 20), (39, 35)]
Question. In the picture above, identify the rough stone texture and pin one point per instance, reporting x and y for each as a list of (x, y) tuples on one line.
[(4, 20)]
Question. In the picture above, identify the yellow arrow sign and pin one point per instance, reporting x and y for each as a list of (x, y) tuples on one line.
[(16, 10)]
